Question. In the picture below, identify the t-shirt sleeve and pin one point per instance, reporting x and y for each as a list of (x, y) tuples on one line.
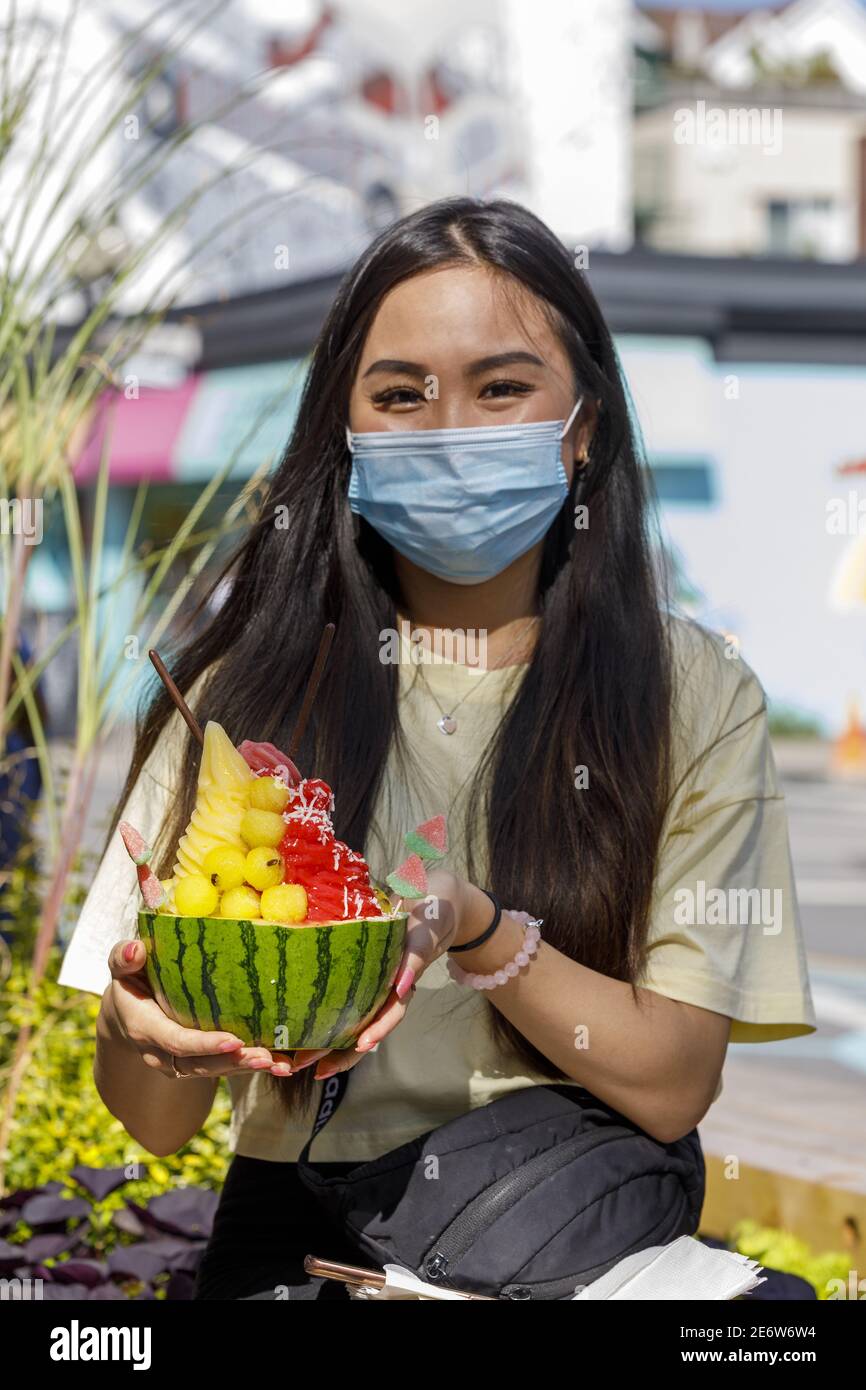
[(725, 930), (110, 910)]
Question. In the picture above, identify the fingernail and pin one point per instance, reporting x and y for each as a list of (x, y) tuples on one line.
[(230, 1045), (258, 1064), (281, 1069), (404, 984), (319, 1075), (129, 951)]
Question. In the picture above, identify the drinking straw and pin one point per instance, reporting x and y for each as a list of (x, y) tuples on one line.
[(175, 695), (306, 708)]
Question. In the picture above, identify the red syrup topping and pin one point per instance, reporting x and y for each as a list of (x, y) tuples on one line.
[(336, 878)]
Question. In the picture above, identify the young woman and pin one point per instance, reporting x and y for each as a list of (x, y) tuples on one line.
[(603, 767)]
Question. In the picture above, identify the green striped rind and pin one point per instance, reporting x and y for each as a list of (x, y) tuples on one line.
[(276, 986)]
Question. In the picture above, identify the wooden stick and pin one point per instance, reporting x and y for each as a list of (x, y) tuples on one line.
[(312, 689), (175, 695)]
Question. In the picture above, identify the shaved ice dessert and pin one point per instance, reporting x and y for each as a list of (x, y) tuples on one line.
[(269, 927)]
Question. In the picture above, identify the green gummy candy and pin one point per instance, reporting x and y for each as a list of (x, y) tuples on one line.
[(402, 886), (423, 848)]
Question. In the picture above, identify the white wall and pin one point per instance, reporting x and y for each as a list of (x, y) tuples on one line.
[(716, 198), (763, 556)]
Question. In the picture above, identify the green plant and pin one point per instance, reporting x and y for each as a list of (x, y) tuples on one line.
[(60, 1120), (779, 1249), (56, 133), (787, 722)]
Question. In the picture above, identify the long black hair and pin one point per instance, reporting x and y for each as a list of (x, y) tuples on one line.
[(597, 691)]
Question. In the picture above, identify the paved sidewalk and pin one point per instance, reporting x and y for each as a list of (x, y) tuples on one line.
[(796, 1109)]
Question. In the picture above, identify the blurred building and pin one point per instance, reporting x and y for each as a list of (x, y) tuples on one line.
[(269, 143), (747, 366), (750, 130), (572, 67)]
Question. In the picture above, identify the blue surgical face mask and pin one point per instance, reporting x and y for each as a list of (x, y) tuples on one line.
[(465, 503)]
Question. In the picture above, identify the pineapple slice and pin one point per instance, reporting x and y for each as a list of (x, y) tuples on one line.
[(222, 797)]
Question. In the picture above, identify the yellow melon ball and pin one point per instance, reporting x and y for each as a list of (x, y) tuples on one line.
[(240, 902), (285, 903), (263, 867), (224, 866), (267, 794), (195, 896), (262, 828)]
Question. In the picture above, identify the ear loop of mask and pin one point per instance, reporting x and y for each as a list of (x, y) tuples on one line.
[(567, 426)]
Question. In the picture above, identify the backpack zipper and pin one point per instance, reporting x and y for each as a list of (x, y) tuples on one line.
[(484, 1209)]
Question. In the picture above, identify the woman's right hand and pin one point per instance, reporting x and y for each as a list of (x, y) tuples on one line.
[(133, 1015)]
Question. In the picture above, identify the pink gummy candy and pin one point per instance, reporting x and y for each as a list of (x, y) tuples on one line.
[(151, 889), (264, 757), (135, 846)]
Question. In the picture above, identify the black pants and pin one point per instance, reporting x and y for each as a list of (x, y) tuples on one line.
[(265, 1224)]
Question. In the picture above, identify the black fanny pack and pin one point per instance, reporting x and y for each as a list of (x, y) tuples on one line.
[(533, 1195)]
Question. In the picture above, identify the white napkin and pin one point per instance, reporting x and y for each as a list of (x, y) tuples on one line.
[(684, 1271)]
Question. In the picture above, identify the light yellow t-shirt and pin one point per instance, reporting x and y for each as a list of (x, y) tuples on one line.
[(724, 933)]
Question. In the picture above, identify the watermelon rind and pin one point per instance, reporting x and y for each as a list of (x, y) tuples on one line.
[(273, 985)]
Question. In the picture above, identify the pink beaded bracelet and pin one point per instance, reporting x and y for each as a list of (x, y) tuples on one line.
[(531, 938)]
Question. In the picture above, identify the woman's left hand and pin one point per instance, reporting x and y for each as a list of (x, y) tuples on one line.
[(435, 922)]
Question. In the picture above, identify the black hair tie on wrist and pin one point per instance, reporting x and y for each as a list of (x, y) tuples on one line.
[(497, 917)]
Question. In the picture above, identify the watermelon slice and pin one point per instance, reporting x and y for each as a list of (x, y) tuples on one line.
[(151, 889), (264, 757), (410, 879), (277, 986), (429, 840)]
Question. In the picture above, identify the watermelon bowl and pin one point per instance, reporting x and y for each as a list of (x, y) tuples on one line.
[(275, 986)]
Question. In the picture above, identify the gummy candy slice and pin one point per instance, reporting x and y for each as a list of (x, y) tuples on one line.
[(151, 889), (409, 879), (134, 842), (429, 840)]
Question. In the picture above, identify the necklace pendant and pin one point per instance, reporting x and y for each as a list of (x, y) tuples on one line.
[(447, 724)]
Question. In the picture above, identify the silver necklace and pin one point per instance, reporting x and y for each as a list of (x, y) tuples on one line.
[(447, 724)]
